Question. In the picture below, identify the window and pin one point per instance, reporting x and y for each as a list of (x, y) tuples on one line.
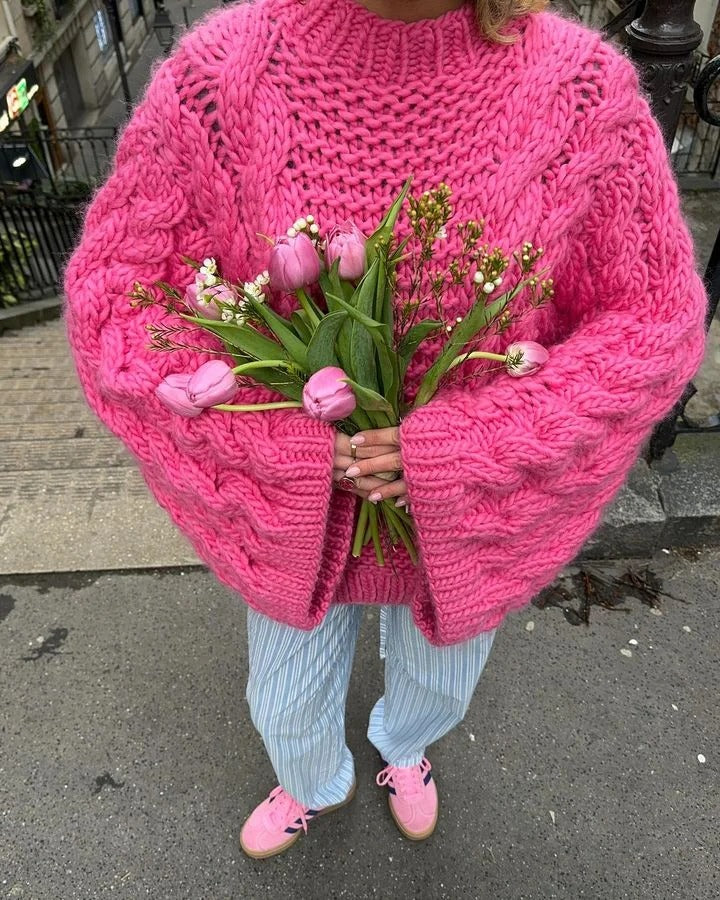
[(102, 30), (136, 9)]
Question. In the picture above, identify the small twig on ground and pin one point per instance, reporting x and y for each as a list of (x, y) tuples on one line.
[(596, 588)]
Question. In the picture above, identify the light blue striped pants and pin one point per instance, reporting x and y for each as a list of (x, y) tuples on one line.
[(298, 683)]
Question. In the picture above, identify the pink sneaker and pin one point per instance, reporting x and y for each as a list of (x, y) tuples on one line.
[(413, 799), (276, 823)]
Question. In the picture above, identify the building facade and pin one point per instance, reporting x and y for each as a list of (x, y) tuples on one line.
[(58, 63)]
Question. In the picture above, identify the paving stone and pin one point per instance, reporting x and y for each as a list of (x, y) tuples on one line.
[(80, 453), (691, 494), (71, 497), (634, 522)]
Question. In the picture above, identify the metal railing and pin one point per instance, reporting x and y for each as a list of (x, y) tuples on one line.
[(705, 91), (696, 146), (37, 234), (695, 150), (45, 181), (66, 162)]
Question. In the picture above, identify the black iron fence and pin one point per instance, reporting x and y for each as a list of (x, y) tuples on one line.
[(696, 146), (37, 234), (66, 162), (45, 181)]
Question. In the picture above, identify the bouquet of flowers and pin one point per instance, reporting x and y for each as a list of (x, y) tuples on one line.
[(344, 352)]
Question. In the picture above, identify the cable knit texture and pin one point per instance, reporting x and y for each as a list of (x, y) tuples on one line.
[(270, 110)]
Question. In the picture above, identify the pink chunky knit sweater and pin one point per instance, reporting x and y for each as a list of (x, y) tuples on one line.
[(268, 111)]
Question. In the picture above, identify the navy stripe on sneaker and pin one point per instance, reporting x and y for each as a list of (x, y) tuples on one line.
[(310, 814)]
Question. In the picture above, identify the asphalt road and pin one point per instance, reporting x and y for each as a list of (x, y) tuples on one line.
[(128, 760)]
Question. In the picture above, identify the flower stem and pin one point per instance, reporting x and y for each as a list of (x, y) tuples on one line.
[(390, 522), (477, 354), (262, 364), (253, 407), (360, 528), (309, 307), (375, 531), (403, 529)]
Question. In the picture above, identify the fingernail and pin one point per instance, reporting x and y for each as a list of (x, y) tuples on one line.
[(400, 502), (358, 439), (353, 471), (374, 497)]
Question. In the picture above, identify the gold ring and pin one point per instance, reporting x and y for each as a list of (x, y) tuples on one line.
[(353, 451)]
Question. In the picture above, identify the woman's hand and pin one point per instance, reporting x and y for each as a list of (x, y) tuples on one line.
[(377, 450)]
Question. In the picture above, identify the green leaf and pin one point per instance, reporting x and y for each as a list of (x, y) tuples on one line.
[(282, 329), (279, 380), (397, 253), (370, 400), (389, 370), (361, 420), (356, 314), (413, 338), (332, 284), (479, 317), (288, 383), (244, 337), (384, 310), (343, 345), (362, 353), (382, 234), (299, 320), (321, 349), (362, 356)]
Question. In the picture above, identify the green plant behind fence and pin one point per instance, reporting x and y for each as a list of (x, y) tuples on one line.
[(14, 245)]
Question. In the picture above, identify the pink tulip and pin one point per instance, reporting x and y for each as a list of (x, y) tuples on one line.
[(347, 243), (326, 396), (172, 393), (294, 263), (217, 292), (221, 293), (525, 358), (210, 311), (214, 382)]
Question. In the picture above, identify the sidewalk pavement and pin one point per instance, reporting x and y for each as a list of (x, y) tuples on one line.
[(586, 768), (71, 498)]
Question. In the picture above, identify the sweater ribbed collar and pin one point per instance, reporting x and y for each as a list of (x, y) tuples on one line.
[(344, 36)]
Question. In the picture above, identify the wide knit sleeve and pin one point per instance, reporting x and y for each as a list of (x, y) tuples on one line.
[(507, 480), (250, 491)]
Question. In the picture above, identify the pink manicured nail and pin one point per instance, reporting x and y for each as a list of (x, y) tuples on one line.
[(358, 439), (353, 471), (400, 501), (374, 497)]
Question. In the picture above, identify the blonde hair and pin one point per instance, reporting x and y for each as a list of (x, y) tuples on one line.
[(493, 15)]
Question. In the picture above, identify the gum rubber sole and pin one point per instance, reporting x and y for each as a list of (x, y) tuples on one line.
[(294, 837)]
